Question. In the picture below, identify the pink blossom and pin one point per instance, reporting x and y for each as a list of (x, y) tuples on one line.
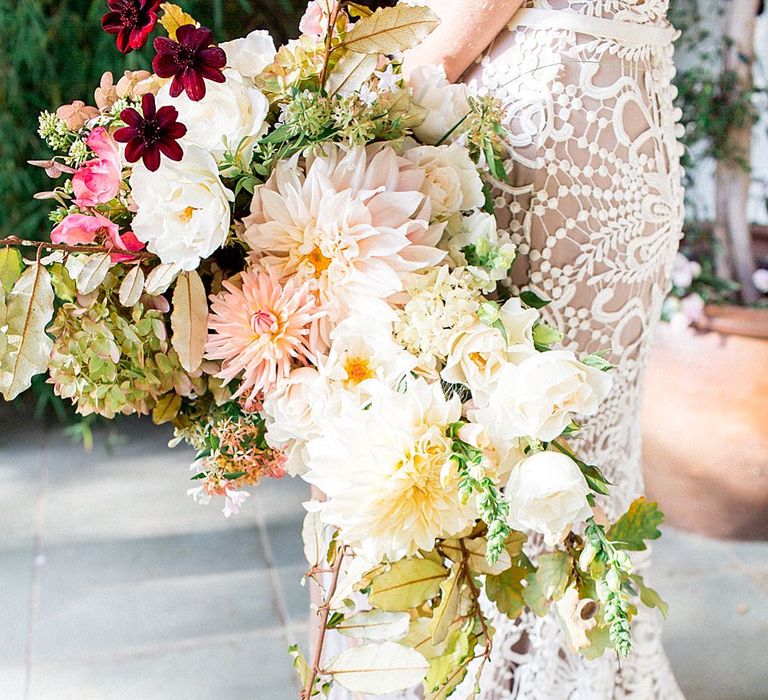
[(98, 180), (313, 22), (82, 229), (79, 229)]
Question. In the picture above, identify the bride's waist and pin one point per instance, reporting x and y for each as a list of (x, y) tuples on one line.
[(628, 33)]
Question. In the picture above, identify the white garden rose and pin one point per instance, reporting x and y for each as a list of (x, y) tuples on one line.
[(250, 55), (478, 353), (452, 183), (293, 414), (230, 118), (445, 103), (539, 396), (547, 494), (183, 208)]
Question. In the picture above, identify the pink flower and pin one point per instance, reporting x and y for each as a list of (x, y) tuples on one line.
[(83, 229), (260, 330), (98, 180), (313, 22), (80, 229)]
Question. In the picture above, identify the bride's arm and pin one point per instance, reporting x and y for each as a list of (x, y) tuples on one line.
[(466, 28)]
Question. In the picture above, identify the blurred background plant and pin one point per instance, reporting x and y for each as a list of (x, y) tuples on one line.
[(722, 93)]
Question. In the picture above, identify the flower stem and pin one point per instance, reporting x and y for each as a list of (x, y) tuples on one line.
[(324, 611), (40, 245)]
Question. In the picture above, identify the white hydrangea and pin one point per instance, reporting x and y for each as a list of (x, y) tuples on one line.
[(441, 302)]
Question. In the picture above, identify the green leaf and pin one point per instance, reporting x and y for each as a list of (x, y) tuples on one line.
[(553, 573), (639, 523), (506, 589), (299, 663), (391, 29), (597, 361), (11, 267), (408, 584), (544, 335), (649, 596), (599, 640), (534, 301), (534, 596)]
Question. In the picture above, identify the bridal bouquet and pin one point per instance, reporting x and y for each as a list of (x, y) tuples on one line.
[(291, 255)]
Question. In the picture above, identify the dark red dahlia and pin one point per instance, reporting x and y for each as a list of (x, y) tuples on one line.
[(147, 136), (132, 21), (189, 60)]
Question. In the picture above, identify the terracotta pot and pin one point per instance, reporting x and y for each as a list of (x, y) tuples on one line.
[(705, 424)]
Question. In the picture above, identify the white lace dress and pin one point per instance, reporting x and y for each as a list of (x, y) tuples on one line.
[(595, 207)]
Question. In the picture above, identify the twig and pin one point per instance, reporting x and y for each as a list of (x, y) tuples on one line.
[(332, 18), (324, 612), (40, 245), (478, 609)]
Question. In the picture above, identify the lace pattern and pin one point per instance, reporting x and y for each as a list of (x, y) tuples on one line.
[(595, 208)]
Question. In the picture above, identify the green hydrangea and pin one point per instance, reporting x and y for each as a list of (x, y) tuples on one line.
[(55, 132), (111, 360)]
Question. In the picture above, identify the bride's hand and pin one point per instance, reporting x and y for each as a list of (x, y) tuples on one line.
[(466, 29)]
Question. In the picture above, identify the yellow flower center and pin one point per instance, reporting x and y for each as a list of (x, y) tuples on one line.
[(358, 369), (319, 262), (186, 215), (479, 359)]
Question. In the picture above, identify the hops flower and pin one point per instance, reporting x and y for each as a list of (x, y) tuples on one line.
[(260, 330)]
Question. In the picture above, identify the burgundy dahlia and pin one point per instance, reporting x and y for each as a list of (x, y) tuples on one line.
[(189, 60), (132, 21), (146, 137)]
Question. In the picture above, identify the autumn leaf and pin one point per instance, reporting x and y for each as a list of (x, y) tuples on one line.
[(29, 309), (407, 584), (131, 287), (189, 320), (378, 669), (391, 29), (161, 278), (445, 614), (174, 17), (166, 409), (639, 523), (350, 72), (506, 589), (93, 273)]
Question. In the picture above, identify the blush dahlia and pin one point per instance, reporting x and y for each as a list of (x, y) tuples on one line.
[(132, 21), (147, 136), (190, 60)]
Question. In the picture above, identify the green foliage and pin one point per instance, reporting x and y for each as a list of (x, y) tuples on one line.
[(639, 523)]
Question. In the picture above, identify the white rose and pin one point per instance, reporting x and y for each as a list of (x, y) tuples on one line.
[(251, 54), (293, 413), (445, 104), (477, 354), (230, 118), (539, 397), (183, 208), (547, 494), (452, 183)]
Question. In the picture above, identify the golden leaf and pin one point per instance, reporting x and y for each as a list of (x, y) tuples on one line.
[(29, 310), (189, 320), (166, 409), (131, 287), (173, 18), (351, 71), (391, 29)]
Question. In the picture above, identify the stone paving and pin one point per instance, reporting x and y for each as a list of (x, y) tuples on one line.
[(116, 586)]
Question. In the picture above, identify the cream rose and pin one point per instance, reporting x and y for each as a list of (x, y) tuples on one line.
[(452, 183), (477, 354), (547, 494), (293, 414), (445, 103), (230, 117), (250, 55), (539, 396), (183, 208)]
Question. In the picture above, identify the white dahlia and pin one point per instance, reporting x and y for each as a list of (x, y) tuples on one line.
[(351, 222), (391, 485)]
